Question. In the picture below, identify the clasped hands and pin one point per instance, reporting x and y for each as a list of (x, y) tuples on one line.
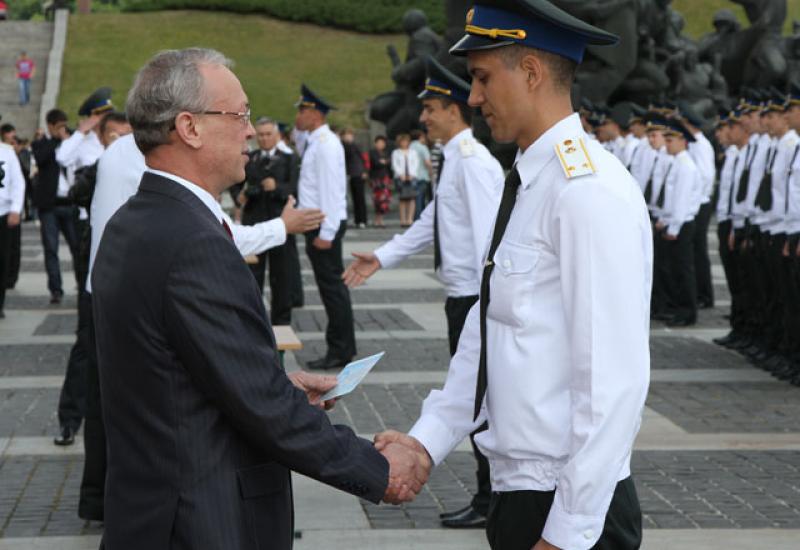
[(409, 465)]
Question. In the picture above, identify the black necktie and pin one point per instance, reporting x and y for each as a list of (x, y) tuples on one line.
[(648, 190), (733, 180), (437, 248), (744, 181), (633, 157), (764, 194), (662, 193), (500, 224), (789, 177)]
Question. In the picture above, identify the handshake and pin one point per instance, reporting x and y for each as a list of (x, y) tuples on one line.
[(409, 465)]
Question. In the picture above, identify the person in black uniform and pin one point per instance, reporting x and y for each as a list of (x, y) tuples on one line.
[(271, 179)]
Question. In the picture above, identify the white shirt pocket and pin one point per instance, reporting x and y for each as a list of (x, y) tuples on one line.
[(512, 284)]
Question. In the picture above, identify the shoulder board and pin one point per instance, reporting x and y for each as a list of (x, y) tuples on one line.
[(6, 146), (574, 157), (791, 142), (467, 147), (323, 138)]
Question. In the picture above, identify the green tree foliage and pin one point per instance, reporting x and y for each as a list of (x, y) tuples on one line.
[(372, 16)]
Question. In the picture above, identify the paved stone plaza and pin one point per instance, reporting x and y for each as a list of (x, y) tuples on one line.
[(717, 464)]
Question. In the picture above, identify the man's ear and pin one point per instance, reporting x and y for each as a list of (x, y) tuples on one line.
[(536, 70), (187, 130)]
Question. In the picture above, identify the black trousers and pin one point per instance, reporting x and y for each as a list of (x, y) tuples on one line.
[(72, 401), (456, 310), (776, 289), (59, 219), (359, 201), (516, 519), (93, 484), (660, 298), (792, 268), (682, 281), (284, 276), (14, 257), (728, 259), (702, 264), (5, 256), (340, 334)]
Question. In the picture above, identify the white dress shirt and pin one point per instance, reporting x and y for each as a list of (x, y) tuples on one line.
[(617, 147), (467, 196), (792, 197), (726, 180), (643, 162), (661, 168), (682, 193), (119, 174), (567, 341), (12, 194), (632, 145), (405, 162), (702, 153), (773, 221), (756, 159), (323, 180)]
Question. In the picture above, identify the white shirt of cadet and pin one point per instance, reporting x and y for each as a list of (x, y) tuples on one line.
[(773, 220), (567, 341), (682, 193), (726, 176), (323, 180), (12, 194), (756, 158), (662, 166), (702, 153), (119, 174), (792, 197), (643, 162), (467, 196)]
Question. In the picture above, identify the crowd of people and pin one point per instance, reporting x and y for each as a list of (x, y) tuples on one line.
[(746, 176)]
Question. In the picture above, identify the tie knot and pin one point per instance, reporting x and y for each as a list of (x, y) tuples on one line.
[(513, 179)]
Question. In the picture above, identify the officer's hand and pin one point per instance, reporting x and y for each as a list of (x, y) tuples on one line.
[(88, 124), (544, 545), (300, 221), (383, 439), (786, 249), (364, 266), (797, 252), (269, 184), (659, 226), (13, 219), (669, 237), (322, 244), (731, 242)]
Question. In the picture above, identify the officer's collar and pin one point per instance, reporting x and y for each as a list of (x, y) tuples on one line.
[(542, 151)]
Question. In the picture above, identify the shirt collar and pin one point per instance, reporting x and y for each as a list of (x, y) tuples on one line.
[(206, 197), (541, 151), (450, 147)]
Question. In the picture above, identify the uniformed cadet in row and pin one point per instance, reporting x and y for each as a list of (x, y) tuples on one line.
[(609, 127), (702, 153), (787, 364), (636, 146), (555, 357), (457, 223), (729, 141), (12, 202), (679, 202), (323, 185)]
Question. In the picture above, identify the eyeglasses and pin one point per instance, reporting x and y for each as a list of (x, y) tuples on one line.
[(244, 117)]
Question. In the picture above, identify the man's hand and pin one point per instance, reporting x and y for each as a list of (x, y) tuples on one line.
[(88, 124), (660, 226), (13, 219), (669, 237), (269, 184), (302, 220), (364, 266), (408, 472), (731, 242), (383, 439), (314, 386), (322, 244), (544, 545)]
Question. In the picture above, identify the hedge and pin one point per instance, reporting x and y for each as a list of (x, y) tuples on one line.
[(369, 16)]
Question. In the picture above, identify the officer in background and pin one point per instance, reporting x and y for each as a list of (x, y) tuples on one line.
[(12, 203), (555, 357), (271, 179), (789, 367), (457, 224), (323, 185)]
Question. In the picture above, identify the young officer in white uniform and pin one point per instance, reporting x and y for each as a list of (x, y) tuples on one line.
[(457, 223), (555, 357)]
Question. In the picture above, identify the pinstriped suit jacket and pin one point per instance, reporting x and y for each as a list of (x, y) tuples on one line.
[(202, 424)]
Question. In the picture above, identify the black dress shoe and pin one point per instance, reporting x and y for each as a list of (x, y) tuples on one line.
[(680, 322), (55, 297), (461, 511), (66, 438), (327, 363), (470, 519), (740, 343), (725, 340), (751, 351)]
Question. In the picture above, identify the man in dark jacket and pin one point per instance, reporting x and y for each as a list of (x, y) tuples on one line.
[(271, 179)]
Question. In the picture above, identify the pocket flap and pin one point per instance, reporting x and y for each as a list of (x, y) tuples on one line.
[(511, 259), (264, 479)]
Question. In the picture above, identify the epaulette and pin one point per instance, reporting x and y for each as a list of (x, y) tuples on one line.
[(323, 138), (467, 147), (574, 157)]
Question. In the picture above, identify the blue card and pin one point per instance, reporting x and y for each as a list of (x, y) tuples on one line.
[(352, 375)]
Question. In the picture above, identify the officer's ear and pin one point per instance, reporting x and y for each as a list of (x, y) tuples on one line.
[(187, 131), (535, 68)]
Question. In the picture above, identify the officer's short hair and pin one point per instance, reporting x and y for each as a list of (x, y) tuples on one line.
[(463, 108), (54, 116), (112, 116), (6, 128), (170, 83), (562, 69)]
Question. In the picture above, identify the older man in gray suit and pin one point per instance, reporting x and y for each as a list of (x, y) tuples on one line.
[(203, 425)]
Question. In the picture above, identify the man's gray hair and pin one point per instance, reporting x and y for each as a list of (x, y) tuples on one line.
[(266, 120), (170, 83)]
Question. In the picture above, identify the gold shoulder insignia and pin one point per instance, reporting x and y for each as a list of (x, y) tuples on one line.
[(467, 147), (574, 158)]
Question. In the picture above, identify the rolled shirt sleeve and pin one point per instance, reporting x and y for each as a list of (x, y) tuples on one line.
[(597, 240)]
